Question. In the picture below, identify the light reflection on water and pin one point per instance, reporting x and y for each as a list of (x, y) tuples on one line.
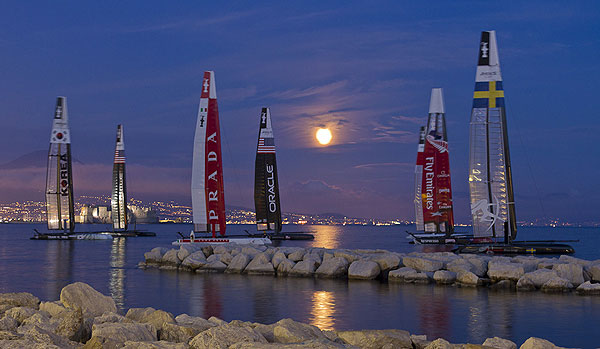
[(455, 313)]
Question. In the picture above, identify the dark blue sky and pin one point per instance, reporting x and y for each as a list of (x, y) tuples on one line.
[(363, 69)]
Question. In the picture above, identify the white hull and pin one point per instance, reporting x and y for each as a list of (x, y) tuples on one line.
[(225, 240)]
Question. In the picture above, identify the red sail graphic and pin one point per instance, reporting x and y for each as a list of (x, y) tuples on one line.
[(436, 190), (215, 198)]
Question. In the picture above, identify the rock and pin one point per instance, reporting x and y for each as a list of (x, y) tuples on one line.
[(505, 271), (225, 336), (72, 326), (588, 288), (350, 256), (312, 256), (238, 263), (401, 274), (185, 251), (296, 255), (419, 341), (8, 323), (214, 266), (155, 255), (41, 320), (195, 322), (539, 276), (266, 331), (170, 258), (304, 268), (21, 299), (529, 263), (154, 345), (422, 264), (290, 331), (136, 314), (157, 318), (333, 268), (285, 266), (39, 335), (480, 263), (9, 335), (594, 271), (215, 320), (525, 284), (557, 284), (20, 313), (311, 344), (467, 278), (363, 270), (114, 335), (572, 260), (277, 258), (386, 261), (537, 343), (195, 260), (91, 302), (499, 343), (377, 338), (571, 272), (444, 277), (207, 250), (251, 251), (172, 332), (440, 343), (419, 277), (110, 317), (213, 258), (260, 264), (220, 249), (226, 258), (55, 309)]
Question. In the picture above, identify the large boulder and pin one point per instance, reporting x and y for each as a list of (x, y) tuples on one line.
[(505, 271), (572, 260), (41, 320), (538, 277), (557, 284), (350, 256), (154, 345), (499, 343), (305, 267), (571, 272), (214, 266), (260, 264), (312, 256), (363, 270), (222, 337), (171, 259), (420, 277), (55, 309), (20, 313), (91, 302), (290, 331), (195, 322), (402, 275), (335, 267), (110, 317), (372, 339), (537, 343), (594, 271), (238, 263), (155, 255), (21, 299), (297, 255), (194, 261), (480, 264), (172, 332), (186, 250), (157, 318), (136, 314), (444, 277), (114, 335), (285, 266), (251, 251), (422, 264), (467, 278), (73, 326), (48, 338), (277, 258), (8, 323), (588, 288), (386, 261)]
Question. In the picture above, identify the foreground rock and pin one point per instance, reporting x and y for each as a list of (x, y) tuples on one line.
[(73, 322)]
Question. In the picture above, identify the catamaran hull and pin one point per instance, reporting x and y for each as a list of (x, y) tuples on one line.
[(285, 236), (83, 236), (227, 240), (440, 239), (517, 248)]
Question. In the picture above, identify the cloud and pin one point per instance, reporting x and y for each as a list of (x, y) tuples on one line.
[(385, 164), (192, 24)]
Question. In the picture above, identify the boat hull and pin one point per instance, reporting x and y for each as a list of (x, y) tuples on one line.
[(224, 240), (72, 236), (517, 247), (285, 236), (440, 239)]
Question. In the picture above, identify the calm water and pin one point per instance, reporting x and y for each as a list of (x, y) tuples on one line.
[(457, 314)]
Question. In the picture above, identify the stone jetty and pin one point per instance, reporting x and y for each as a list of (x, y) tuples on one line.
[(519, 273), (85, 318)]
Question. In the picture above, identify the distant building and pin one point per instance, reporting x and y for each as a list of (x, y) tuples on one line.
[(141, 215), (102, 214)]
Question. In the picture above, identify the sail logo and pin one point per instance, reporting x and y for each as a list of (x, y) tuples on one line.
[(58, 113), (440, 145), (271, 189), (482, 209), (484, 50), (429, 186), (205, 85), (64, 175)]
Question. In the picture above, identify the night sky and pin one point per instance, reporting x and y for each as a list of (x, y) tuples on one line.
[(363, 69)]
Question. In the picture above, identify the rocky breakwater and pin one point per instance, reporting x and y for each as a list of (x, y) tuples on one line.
[(520, 273), (84, 318)]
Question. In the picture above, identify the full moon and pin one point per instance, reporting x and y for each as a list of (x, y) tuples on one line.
[(323, 136)]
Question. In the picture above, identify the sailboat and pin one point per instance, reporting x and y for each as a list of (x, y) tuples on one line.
[(60, 208), (490, 172), (266, 186), (208, 199), (433, 193)]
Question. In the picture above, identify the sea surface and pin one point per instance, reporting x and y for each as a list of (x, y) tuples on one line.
[(454, 313)]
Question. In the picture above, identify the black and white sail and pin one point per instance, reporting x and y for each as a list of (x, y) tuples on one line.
[(118, 200), (59, 177), (490, 177), (266, 185)]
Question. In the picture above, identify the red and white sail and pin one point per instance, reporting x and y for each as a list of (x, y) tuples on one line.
[(208, 199), (436, 192)]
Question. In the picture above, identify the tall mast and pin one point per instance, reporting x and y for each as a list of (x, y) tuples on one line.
[(59, 176), (266, 184), (118, 199), (490, 175), (208, 199), (436, 188)]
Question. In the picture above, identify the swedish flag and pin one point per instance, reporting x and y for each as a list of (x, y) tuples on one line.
[(489, 94)]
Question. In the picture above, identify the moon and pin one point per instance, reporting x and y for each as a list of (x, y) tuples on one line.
[(323, 136)]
